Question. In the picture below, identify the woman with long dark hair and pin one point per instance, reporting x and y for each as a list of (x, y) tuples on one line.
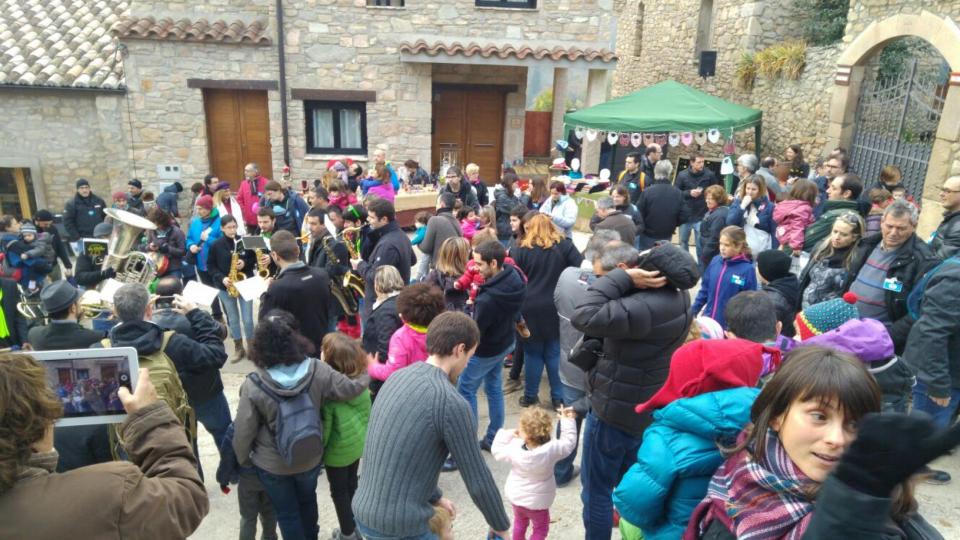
[(823, 277)]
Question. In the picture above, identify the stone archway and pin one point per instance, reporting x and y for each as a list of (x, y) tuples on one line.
[(941, 32)]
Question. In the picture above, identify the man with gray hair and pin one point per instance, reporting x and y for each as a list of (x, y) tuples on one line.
[(609, 218), (886, 267), (661, 206), (747, 165), (197, 361)]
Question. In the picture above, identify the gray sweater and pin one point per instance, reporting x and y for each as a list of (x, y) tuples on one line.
[(419, 417), (439, 228)]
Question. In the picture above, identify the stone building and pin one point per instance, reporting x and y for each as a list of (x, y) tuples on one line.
[(663, 40), (175, 89)]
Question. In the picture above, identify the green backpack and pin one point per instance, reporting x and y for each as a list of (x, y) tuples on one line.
[(163, 375)]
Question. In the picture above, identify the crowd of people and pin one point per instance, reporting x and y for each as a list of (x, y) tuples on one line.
[(771, 404)]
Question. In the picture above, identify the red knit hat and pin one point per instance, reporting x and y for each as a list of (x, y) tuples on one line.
[(205, 201), (708, 365)]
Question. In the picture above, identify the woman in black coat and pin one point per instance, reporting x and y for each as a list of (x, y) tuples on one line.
[(167, 240), (218, 266), (383, 320), (542, 255)]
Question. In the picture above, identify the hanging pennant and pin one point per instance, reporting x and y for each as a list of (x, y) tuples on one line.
[(575, 164), (604, 175), (726, 166), (660, 139), (592, 134), (612, 138), (636, 139), (562, 145), (673, 139), (713, 135), (578, 132), (700, 137), (729, 147), (647, 139), (686, 138), (624, 139)]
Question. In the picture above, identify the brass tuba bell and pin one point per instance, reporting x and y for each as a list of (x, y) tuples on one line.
[(131, 266)]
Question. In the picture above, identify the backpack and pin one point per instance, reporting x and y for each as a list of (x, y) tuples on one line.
[(163, 375), (298, 429)]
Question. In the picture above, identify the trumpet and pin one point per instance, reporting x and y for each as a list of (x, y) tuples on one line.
[(263, 270)]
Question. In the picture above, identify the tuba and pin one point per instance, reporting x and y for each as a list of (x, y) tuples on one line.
[(131, 266)]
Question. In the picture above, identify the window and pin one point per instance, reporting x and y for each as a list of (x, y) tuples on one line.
[(336, 127), (531, 4), (385, 3)]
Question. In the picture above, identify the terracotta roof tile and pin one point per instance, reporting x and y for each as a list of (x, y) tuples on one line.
[(219, 31), (60, 43), (505, 51)]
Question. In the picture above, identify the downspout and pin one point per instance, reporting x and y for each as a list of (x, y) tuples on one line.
[(281, 40)]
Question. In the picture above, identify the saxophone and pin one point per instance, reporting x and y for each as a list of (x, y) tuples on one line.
[(262, 269), (235, 274), (343, 294)]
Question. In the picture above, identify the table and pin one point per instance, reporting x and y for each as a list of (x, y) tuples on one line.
[(409, 203)]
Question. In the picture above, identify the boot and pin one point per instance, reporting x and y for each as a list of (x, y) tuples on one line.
[(239, 352)]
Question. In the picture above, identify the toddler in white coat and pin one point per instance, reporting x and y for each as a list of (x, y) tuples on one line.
[(532, 453)]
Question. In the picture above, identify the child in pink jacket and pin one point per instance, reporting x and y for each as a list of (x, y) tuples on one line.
[(532, 454), (339, 195), (417, 305), (793, 215)]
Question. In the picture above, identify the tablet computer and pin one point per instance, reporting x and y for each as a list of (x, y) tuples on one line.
[(86, 382)]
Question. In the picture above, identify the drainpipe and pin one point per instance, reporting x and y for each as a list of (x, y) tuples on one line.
[(281, 39)]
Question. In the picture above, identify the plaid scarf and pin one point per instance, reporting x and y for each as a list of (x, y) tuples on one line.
[(761, 499)]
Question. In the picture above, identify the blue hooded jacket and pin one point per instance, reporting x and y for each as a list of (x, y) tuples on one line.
[(677, 458), (763, 205), (722, 280), (197, 226)]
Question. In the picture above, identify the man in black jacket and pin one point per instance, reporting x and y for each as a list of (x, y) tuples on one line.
[(44, 222), (632, 177), (298, 288), (946, 241), (692, 182), (135, 197), (661, 206), (642, 317), (461, 189), (326, 252), (78, 446), (388, 245), (88, 271), (83, 212)]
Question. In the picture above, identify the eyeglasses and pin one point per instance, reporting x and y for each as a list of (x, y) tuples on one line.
[(945, 190), (850, 217)]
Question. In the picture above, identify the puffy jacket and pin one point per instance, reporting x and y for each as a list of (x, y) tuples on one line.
[(722, 280), (345, 430), (504, 203), (167, 200), (914, 259), (677, 458), (197, 226), (563, 213), (384, 191), (254, 440), (531, 483), (822, 279), (662, 208), (498, 303), (687, 181), (407, 345), (81, 215), (792, 218), (713, 222), (640, 329), (248, 195), (946, 240), (821, 228), (764, 208), (933, 346)]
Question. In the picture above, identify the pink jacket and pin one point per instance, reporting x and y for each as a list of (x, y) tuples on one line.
[(407, 345), (384, 191), (342, 200), (469, 228), (530, 483), (247, 199), (792, 217)]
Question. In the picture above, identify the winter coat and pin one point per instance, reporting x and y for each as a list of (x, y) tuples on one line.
[(821, 228), (16, 323), (290, 212), (466, 194), (946, 240), (662, 208), (62, 335), (305, 293), (157, 494), (439, 228), (542, 268), (345, 430), (792, 218), (621, 223), (407, 345), (383, 191), (255, 439), (59, 246), (677, 458), (933, 346), (89, 275), (81, 215), (221, 255), (381, 325), (388, 245), (722, 280), (248, 195), (713, 222), (687, 181), (455, 299), (563, 213), (531, 483), (172, 243), (469, 228), (571, 290), (343, 200), (197, 226), (483, 193), (498, 301), (504, 203), (913, 260), (823, 279), (28, 257), (167, 200), (640, 329), (198, 360), (785, 293), (764, 209)]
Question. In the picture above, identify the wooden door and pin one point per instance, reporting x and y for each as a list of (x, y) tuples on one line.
[(238, 132), (468, 128)]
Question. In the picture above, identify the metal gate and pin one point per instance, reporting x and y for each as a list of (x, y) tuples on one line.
[(896, 123)]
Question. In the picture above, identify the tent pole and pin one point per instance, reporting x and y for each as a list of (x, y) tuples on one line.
[(756, 139)]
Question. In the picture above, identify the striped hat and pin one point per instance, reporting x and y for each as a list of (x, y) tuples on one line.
[(826, 316)]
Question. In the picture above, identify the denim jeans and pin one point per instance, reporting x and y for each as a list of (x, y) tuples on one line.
[(214, 414), (607, 454), (536, 355), (489, 371), (941, 415), (684, 237), (563, 470), (294, 497), (235, 314), (370, 534)]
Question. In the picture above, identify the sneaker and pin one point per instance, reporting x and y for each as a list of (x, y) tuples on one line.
[(574, 474), (935, 477), (508, 362), (526, 402), (449, 465), (511, 385), (337, 535), (484, 445)]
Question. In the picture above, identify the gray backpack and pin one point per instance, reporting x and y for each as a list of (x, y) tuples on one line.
[(299, 430)]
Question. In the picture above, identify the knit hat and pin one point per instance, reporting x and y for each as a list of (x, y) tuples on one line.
[(43, 215), (120, 196), (82, 182), (709, 328), (28, 228), (135, 183), (102, 229), (709, 365), (773, 264), (205, 201), (826, 316), (221, 186)]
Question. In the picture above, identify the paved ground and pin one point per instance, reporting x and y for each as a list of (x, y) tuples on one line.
[(937, 503)]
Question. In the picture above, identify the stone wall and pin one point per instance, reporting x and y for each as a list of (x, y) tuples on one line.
[(62, 136), (863, 13)]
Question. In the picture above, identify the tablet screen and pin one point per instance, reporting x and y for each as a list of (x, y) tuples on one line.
[(88, 386)]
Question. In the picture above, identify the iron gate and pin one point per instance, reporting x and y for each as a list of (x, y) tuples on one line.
[(896, 123)]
